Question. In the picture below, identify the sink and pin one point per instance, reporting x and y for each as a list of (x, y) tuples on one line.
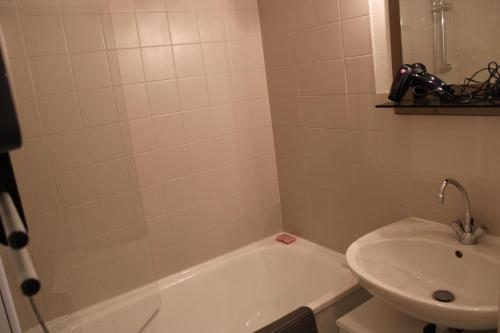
[(406, 262)]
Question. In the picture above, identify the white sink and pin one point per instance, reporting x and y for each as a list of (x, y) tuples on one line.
[(404, 263)]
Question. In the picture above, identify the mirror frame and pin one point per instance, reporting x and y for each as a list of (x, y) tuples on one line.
[(387, 49), (395, 33)]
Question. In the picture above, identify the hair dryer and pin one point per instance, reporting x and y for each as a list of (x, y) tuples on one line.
[(421, 82)]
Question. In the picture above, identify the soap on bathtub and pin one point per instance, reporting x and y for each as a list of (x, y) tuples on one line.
[(285, 238)]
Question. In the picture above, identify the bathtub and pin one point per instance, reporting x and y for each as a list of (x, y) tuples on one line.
[(238, 292)]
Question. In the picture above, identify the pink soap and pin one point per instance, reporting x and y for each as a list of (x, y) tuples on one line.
[(285, 238)]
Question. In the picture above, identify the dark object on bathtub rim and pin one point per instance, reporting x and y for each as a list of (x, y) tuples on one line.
[(432, 328), (301, 320)]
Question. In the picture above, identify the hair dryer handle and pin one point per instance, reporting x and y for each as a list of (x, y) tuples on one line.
[(401, 83)]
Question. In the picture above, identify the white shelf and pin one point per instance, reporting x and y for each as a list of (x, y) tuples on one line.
[(374, 316)]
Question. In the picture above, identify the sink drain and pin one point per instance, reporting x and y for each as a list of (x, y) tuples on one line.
[(443, 296)]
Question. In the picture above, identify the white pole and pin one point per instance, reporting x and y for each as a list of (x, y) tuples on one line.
[(14, 229), (7, 305), (26, 274)]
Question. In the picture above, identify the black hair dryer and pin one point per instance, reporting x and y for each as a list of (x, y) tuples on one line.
[(421, 82)]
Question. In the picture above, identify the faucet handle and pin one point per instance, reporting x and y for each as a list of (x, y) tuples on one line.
[(458, 227), (480, 231)]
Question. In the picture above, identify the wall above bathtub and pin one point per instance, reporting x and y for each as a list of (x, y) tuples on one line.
[(148, 143), (345, 168)]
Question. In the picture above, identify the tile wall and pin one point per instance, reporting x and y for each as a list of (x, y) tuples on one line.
[(345, 168), (148, 144)]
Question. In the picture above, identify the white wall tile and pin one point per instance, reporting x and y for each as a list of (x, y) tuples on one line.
[(142, 136), (104, 142), (153, 201), (216, 58), (158, 63), (97, 107), (180, 5), (239, 24), (169, 130), (362, 44), (52, 74), (179, 194), (188, 60), (164, 97), (212, 26), (183, 27), (148, 168), (22, 82), (125, 30), (149, 5), (193, 93), (174, 162), (202, 155), (37, 28), (153, 29), (84, 32), (353, 8), (75, 186), (117, 6), (119, 211), (84, 221), (13, 34), (130, 66), (91, 70), (38, 7), (68, 150), (197, 124), (136, 101), (59, 113), (111, 178)]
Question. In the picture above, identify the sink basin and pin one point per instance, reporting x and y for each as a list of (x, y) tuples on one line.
[(404, 263)]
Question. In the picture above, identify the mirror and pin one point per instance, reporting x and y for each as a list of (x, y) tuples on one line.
[(453, 38), (382, 50)]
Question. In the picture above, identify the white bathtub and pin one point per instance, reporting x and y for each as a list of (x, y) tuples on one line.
[(238, 292)]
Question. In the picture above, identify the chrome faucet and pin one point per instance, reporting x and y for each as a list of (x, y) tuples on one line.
[(467, 234)]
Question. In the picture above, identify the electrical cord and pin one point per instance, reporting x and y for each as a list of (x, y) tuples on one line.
[(422, 92), (472, 90), (38, 315)]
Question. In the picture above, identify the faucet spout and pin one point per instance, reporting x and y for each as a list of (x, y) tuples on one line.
[(467, 236), (467, 224)]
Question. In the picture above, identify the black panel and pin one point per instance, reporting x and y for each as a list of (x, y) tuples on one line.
[(435, 103), (10, 138), (10, 135), (436, 107)]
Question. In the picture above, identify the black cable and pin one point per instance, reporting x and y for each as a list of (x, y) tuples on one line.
[(38, 315), (473, 90)]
